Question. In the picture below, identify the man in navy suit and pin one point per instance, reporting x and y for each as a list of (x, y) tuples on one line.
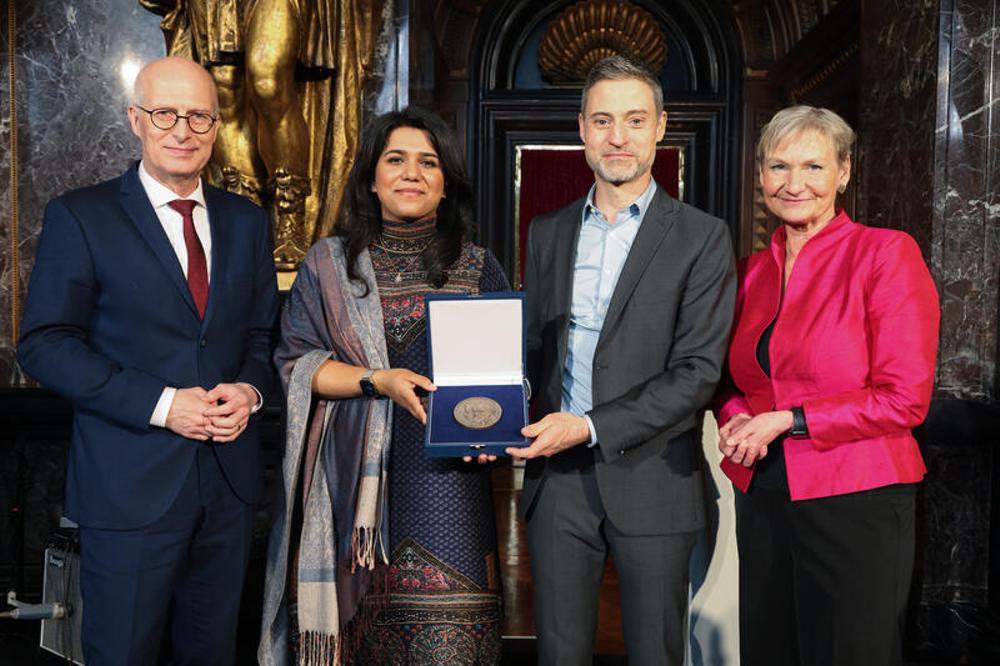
[(151, 308)]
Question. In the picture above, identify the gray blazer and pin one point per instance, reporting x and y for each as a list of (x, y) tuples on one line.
[(658, 360)]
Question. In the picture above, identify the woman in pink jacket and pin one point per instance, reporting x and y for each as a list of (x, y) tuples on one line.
[(831, 364)]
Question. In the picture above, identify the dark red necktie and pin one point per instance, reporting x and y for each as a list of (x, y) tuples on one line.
[(197, 268)]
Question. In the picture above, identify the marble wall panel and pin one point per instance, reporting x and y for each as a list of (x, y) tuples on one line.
[(895, 152), (955, 525), (72, 61), (927, 164), (6, 316), (929, 81), (961, 506), (966, 257)]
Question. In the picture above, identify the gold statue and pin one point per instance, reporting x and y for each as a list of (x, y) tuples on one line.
[(290, 75)]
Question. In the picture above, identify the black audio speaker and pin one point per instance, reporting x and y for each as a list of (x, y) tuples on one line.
[(62, 585)]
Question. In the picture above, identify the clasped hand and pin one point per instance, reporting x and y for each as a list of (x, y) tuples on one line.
[(744, 439), (220, 414)]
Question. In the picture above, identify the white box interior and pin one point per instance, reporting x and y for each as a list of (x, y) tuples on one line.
[(476, 341)]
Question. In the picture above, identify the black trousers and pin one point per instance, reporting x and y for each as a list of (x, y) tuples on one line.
[(824, 582)]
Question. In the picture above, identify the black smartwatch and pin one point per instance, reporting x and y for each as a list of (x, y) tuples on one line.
[(368, 386), (799, 428)]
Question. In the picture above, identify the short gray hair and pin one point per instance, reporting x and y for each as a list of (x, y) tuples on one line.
[(618, 68), (804, 118)]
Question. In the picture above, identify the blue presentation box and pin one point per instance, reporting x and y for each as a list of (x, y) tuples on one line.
[(476, 348)]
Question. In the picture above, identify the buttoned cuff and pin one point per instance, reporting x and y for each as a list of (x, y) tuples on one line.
[(593, 432), (162, 409)]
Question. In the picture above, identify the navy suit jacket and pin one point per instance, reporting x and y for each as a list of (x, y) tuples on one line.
[(109, 322)]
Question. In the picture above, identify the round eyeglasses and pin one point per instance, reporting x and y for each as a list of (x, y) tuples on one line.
[(164, 119)]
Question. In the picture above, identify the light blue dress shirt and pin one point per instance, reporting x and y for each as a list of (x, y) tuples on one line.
[(600, 255)]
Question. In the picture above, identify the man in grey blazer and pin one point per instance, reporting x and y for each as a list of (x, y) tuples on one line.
[(630, 301)]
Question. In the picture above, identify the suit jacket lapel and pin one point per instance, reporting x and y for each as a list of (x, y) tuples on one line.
[(217, 225), (655, 225), (567, 235), (136, 204)]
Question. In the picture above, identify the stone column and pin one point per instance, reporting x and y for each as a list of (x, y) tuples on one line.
[(928, 164)]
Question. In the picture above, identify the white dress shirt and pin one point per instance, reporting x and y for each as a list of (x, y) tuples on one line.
[(160, 196), (173, 222), (601, 252)]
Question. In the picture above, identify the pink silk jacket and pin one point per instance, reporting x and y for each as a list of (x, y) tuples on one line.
[(855, 346)]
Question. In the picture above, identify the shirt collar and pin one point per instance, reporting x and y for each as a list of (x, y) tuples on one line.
[(160, 195), (637, 208)]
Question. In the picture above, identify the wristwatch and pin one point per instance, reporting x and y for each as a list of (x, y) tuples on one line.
[(799, 428), (368, 386)]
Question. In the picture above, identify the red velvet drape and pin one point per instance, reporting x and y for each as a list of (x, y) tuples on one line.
[(553, 178)]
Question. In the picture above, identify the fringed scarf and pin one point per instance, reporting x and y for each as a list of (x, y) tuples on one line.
[(336, 450)]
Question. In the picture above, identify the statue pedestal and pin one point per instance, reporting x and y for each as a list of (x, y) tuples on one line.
[(285, 280)]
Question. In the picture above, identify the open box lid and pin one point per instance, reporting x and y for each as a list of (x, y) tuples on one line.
[(476, 339)]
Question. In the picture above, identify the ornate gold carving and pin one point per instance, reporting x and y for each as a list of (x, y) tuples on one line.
[(290, 75), (762, 221), (290, 239), (234, 181), (762, 225), (590, 30)]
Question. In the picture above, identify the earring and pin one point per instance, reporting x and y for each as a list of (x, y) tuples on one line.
[(842, 188)]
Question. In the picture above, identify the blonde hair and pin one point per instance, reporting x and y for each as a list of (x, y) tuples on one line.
[(803, 118)]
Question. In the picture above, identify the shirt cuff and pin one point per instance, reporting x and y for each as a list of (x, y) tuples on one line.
[(593, 432), (162, 409), (260, 399)]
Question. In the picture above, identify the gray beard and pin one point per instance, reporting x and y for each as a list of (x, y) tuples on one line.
[(619, 175)]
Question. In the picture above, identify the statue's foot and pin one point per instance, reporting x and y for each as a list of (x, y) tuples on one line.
[(239, 183), (290, 241)]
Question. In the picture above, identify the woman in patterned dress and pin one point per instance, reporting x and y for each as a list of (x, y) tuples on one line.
[(415, 579)]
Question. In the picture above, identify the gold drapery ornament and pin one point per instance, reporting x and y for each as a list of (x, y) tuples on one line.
[(591, 30), (290, 75)]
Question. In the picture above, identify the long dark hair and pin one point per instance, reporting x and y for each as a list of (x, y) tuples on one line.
[(361, 220)]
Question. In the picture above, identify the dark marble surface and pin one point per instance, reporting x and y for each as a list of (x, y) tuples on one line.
[(956, 517), (959, 613), (966, 252), (895, 151), (958, 501), (6, 317), (959, 567), (927, 164), (71, 101), (34, 431)]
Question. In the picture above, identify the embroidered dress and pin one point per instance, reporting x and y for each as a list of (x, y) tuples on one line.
[(443, 598), (345, 507)]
